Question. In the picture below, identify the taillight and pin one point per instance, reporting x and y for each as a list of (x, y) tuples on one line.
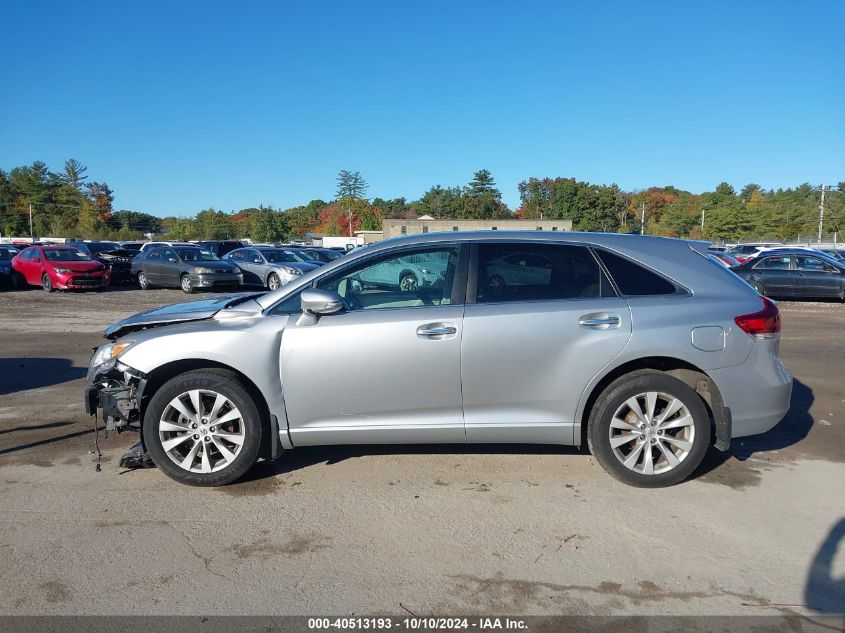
[(762, 324)]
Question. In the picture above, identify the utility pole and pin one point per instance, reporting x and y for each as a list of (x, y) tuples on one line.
[(821, 216), (31, 234), (702, 221), (642, 218)]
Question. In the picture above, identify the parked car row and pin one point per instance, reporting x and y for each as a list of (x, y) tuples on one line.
[(186, 265), (787, 272), (746, 252)]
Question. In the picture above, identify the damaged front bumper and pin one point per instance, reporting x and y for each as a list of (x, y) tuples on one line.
[(116, 389)]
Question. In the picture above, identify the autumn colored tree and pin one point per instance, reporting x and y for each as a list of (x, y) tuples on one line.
[(334, 218)]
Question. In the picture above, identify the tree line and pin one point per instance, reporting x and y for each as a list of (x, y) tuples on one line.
[(67, 203)]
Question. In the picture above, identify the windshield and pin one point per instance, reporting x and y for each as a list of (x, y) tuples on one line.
[(65, 255), (311, 256), (280, 256), (196, 255), (7, 253), (102, 247)]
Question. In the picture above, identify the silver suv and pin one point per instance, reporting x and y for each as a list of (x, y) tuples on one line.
[(640, 348)]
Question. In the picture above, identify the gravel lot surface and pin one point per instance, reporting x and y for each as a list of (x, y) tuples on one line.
[(430, 530)]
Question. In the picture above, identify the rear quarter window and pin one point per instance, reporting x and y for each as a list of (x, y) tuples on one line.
[(633, 279)]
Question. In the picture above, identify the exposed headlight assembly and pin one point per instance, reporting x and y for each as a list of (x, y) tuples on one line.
[(291, 271), (203, 271), (63, 271), (109, 351)]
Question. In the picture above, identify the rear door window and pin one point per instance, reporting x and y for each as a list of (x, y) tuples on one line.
[(524, 271), (635, 280)]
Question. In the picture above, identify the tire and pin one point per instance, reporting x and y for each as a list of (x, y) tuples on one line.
[(613, 420), (201, 450), (19, 281), (144, 281), (186, 285), (46, 283), (759, 288), (273, 282), (408, 282)]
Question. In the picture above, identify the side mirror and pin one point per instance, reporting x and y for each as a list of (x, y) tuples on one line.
[(316, 301), (37, 260), (172, 260)]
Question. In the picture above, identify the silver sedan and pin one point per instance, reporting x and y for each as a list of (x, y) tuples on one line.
[(270, 267), (641, 349)]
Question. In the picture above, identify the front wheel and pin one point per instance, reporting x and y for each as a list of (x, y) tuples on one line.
[(46, 283), (760, 288), (187, 285), (273, 282), (202, 428), (649, 430)]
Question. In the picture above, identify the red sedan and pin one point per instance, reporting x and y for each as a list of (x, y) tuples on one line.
[(58, 268)]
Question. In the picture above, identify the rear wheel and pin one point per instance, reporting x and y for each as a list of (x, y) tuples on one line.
[(649, 430), (202, 428), (273, 282), (46, 283), (187, 285), (143, 281)]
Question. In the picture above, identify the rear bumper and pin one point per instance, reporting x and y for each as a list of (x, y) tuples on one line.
[(757, 393)]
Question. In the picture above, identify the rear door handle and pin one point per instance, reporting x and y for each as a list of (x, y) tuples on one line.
[(599, 321), (436, 330)]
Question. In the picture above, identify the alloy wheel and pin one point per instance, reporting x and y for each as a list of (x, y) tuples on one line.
[(273, 283), (652, 432), (186, 283), (201, 431)]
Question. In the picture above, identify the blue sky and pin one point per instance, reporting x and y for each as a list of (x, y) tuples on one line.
[(183, 105)]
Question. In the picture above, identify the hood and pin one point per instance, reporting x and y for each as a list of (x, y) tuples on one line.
[(77, 265), (305, 267), (177, 313), (220, 265)]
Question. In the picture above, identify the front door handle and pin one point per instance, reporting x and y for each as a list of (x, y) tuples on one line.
[(599, 321), (436, 330)]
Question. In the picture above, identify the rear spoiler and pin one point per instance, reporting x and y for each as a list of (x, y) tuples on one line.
[(699, 246)]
